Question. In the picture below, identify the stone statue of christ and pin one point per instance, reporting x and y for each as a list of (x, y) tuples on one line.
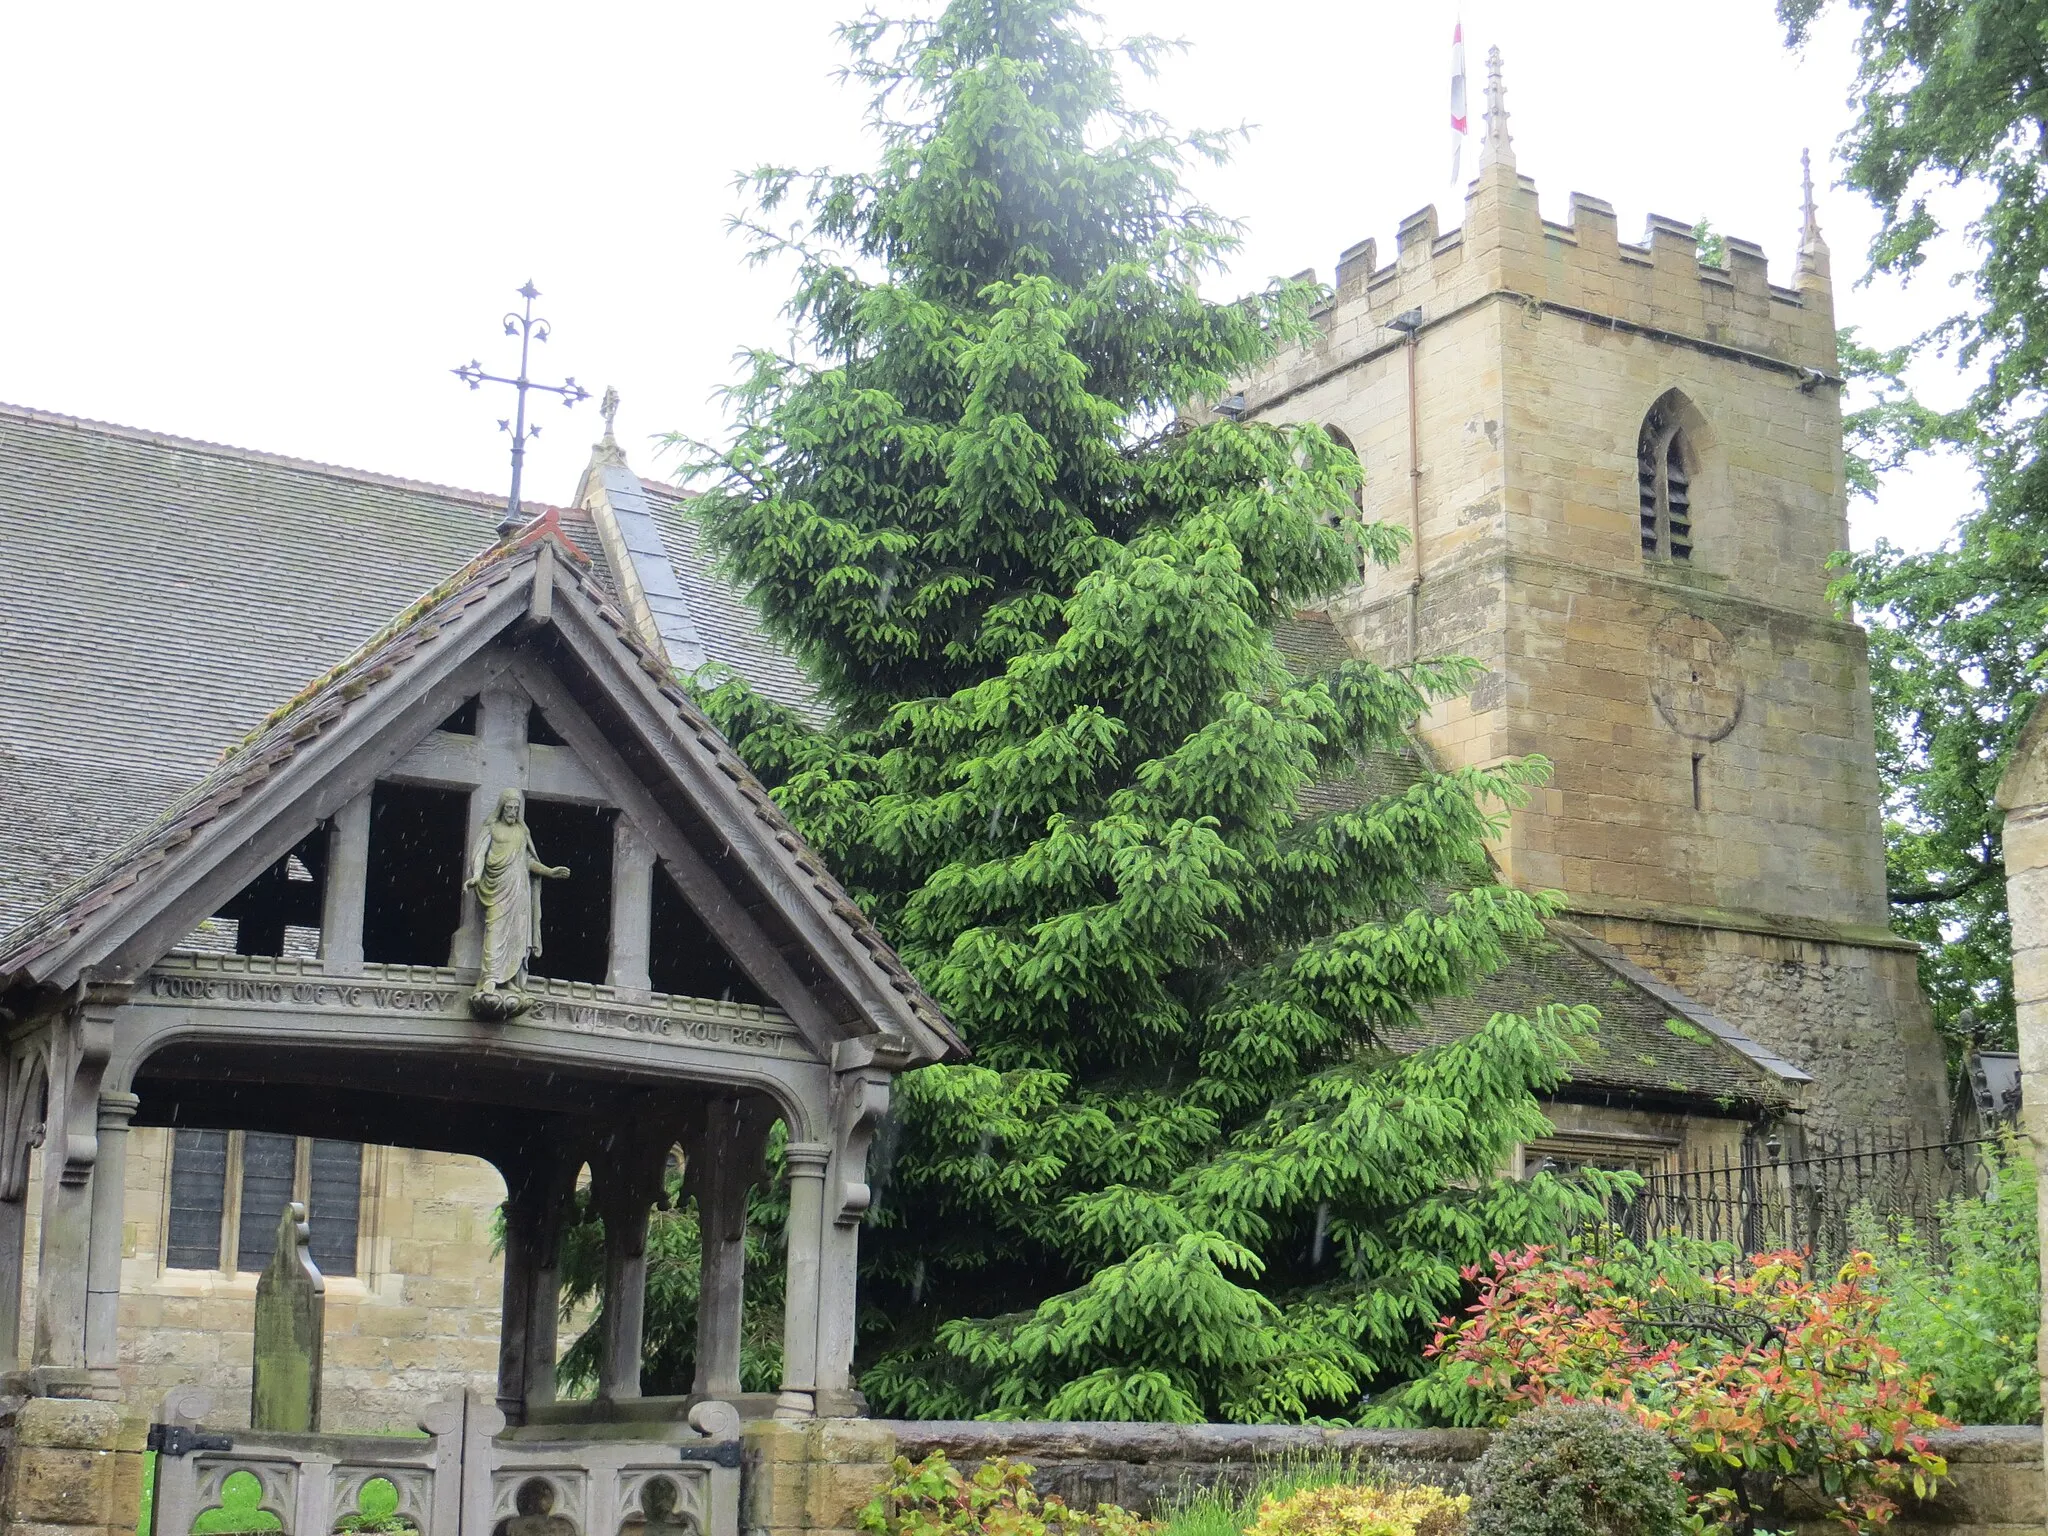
[(505, 871)]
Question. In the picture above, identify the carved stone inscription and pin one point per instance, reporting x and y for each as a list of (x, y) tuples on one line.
[(578, 1016)]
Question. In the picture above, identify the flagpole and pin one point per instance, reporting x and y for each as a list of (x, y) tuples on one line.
[(1459, 119)]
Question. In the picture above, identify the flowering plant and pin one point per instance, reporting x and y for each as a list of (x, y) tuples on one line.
[(935, 1498), (1760, 1374), (1363, 1509)]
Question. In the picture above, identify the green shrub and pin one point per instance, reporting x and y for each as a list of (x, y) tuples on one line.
[(1363, 1509), (1576, 1469), (1230, 1507), (934, 1498), (1970, 1321)]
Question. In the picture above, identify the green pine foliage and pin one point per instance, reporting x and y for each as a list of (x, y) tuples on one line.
[(668, 1364), (1184, 1177)]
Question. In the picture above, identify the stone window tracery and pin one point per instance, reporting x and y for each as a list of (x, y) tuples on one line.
[(1664, 473)]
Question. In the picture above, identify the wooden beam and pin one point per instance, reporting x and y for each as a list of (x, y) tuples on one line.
[(730, 923), (277, 813)]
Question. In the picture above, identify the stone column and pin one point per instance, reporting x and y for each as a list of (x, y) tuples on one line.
[(341, 905), (109, 1196), (538, 1194), (632, 909), (725, 1162), (624, 1193), (13, 1255), (2023, 796), (860, 1099), (21, 1127), (80, 1047), (807, 1162)]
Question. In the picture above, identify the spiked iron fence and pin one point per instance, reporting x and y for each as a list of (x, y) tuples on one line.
[(1764, 1199)]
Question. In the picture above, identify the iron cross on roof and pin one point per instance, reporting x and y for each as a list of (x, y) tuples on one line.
[(528, 329)]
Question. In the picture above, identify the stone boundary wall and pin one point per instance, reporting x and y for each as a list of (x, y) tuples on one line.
[(1996, 1485), (1140, 1466)]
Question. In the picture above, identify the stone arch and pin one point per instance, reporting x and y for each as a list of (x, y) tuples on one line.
[(1342, 439)]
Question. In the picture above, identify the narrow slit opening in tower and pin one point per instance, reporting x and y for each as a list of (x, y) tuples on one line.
[(1699, 802)]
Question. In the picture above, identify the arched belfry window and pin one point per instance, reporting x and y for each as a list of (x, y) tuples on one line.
[(1664, 472)]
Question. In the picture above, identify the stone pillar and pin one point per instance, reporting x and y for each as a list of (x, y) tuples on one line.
[(725, 1162), (860, 1099), (74, 1469), (812, 1477), (538, 1194), (624, 1194), (21, 1127), (109, 1192), (807, 1161), (2023, 796), (79, 1050), (632, 909), (13, 1255), (348, 872)]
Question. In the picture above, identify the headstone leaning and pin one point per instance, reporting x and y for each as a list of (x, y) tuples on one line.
[(291, 1305)]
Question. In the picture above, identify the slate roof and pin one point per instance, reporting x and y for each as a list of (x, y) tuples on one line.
[(127, 663), (1654, 1041), (324, 702), (726, 626), (127, 656)]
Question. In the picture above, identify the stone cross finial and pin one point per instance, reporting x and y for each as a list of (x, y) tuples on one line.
[(1497, 149), (608, 408)]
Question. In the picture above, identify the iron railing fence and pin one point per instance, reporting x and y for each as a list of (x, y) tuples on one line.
[(1762, 1199)]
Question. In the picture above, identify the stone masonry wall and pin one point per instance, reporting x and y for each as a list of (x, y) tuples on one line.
[(1996, 1486), (70, 1468), (1851, 1015), (418, 1320), (1714, 802)]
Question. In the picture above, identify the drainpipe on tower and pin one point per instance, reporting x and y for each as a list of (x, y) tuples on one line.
[(1408, 323)]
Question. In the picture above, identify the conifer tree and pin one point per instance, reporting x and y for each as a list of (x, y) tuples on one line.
[(1184, 1176)]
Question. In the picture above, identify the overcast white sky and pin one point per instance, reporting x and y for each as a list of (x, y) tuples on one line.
[(280, 226)]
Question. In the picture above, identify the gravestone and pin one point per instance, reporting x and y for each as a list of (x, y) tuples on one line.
[(291, 1306)]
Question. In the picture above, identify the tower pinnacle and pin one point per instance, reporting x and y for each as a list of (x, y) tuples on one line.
[(1497, 149), (1813, 250)]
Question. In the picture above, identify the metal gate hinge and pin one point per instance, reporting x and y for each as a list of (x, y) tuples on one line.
[(725, 1455), (182, 1440)]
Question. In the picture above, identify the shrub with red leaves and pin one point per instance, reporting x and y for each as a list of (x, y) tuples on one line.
[(1760, 1374)]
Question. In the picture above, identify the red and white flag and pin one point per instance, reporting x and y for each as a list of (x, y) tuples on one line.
[(1458, 119)]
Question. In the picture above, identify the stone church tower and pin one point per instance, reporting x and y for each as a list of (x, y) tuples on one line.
[(1621, 472)]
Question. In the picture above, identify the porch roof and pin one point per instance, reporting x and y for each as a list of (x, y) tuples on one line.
[(86, 923)]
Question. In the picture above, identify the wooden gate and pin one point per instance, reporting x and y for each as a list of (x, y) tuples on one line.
[(463, 1477)]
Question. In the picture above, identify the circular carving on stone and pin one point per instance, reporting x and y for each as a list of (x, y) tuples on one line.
[(1694, 679)]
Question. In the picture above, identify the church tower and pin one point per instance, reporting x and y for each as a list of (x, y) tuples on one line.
[(1621, 474)]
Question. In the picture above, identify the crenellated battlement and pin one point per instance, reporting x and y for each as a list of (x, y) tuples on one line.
[(1505, 250)]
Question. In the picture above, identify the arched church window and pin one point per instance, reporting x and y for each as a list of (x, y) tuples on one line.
[(1342, 439), (1664, 473)]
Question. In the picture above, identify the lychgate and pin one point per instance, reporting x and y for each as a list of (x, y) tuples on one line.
[(505, 772)]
